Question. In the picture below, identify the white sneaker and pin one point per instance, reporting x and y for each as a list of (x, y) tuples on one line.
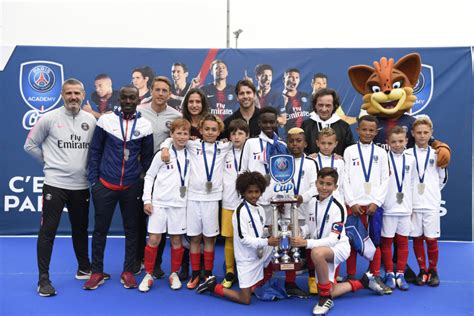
[(146, 283), (175, 283), (323, 309)]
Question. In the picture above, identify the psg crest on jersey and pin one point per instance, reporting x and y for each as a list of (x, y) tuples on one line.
[(423, 89), (40, 84), (282, 168)]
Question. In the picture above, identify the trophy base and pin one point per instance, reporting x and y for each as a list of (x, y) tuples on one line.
[(287, 266)]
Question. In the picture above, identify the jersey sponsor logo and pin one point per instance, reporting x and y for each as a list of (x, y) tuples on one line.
[(40, 84), (423, 89)]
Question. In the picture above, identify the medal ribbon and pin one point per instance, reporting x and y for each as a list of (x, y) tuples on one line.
[(251, 218), (366, 174), (182, 177), (124, 137), (237, 167), (399, 185), (297, 186), (324, 217), (209, 174), (264, 156), (426, 164), (321, 162)]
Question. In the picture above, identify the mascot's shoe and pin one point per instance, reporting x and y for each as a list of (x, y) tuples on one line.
[(146, 283), (228, 280), (422, 278), (294, 291), (401, 282), (433, 278), (390, 280), (323, 307), (312, 286)]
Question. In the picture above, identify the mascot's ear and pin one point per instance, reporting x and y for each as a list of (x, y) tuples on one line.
[(359, 75), (410, 65)]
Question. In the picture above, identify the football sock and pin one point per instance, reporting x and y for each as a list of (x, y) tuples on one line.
[(402, 256), (219, 290), (432, 253), (419, 248), (374, 265), (324, 289), (208, 261), (195, 263), (386, 248), (176, 258), (229, 254), (150, 258), (356, 285)]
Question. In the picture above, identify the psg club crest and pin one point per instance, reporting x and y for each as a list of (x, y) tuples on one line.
[(40, 84), (282, 168), (423, 89)]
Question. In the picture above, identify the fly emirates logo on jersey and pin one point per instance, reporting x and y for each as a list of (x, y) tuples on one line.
[(24, 194)]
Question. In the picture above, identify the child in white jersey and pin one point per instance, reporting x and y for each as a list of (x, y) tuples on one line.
[(425, 218), (397, 208), (164, 199), (365, 186), (207, 157), (252, 248), (239, 132)]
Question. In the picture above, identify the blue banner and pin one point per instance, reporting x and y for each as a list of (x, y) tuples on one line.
[(32, 78)]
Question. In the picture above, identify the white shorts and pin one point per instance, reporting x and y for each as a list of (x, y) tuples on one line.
[(167, 219), (202, 218), (392, 225), (425, 224), (341, 251), (251, 272)]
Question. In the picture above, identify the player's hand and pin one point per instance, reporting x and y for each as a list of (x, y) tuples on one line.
[(87, 107), (338, 157), (282, 119), (371, 209), (357, 210), (148, 209), (299, 198), (195, 82), (298, 242), (313, 155), (165, 155), (273, 241)]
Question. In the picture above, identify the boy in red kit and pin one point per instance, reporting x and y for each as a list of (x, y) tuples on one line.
[(397, 208), (166, 206), (425, 218), (365, 186)]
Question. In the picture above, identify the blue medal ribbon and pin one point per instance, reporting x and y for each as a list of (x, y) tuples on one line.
[(182, 177), (251, 219), (426, 164), (324, 217), (237, 167), (297, 186), (209, 174), (267, 171), (321, 162), (124, 137), (399, 185), (366, 174)]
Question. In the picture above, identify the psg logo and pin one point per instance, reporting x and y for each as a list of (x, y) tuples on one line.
[(41, 78), (136, 133), (281, 164), (85, 126)]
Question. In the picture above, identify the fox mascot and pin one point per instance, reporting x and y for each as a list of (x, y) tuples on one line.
[(387, 91)]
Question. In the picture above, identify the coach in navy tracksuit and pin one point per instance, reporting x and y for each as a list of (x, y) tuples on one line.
[(122, 141)]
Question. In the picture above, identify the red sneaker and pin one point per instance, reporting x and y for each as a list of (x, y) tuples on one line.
[(95, 281), (128, 280)]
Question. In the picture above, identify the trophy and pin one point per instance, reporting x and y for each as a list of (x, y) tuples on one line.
[(284, 256)]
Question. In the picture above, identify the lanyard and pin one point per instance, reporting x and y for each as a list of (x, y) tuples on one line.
[(321, 162), (366, 173), (124, 137), (426, 164), (264, 156), (209, 174), (182, 177), (237, 167), (297, 186), (399, 185), (251, 219), (324, 217)]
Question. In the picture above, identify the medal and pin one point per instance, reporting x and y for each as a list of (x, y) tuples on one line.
[(421, 185), (126, 153), (182, 191), (367, 187), (399, 183), (182, 177), (421, 188), (209, 173), (399, 197), (367, 184)]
